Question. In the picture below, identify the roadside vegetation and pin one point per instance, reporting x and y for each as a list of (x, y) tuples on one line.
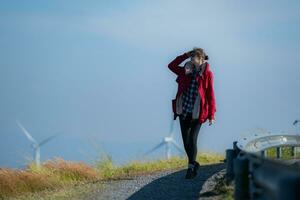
[(286, 153), (60, 179)]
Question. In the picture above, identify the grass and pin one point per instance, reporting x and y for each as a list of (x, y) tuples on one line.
[(225, 190), (53, 174), (77, 191), (108, 171), (60, 179), (286, 153)]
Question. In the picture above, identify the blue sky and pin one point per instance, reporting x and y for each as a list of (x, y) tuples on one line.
[(97, 72)]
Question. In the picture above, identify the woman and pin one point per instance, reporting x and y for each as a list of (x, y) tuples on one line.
[(194, 102)]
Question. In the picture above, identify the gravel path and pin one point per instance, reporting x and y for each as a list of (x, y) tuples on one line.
[(169, 184)]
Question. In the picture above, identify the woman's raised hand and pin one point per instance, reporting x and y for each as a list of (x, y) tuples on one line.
[(190, 53)]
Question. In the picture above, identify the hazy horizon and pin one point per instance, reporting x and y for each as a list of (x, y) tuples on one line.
[(97, 72)]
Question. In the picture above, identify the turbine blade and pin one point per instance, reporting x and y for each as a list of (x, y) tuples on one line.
[(26, 132), (154, 148), (177, 146), (295, 122), (48, 139)]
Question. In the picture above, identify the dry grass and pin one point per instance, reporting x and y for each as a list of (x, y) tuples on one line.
[(53, 174), (16, 182), (71, 171), (60, 175), (136, 167)]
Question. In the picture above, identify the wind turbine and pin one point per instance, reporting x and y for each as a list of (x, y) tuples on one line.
[(35, 145), (167, 141), (296, 122)]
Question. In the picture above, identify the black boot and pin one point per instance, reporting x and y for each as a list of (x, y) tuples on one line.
[(191, 172), (196, 165)]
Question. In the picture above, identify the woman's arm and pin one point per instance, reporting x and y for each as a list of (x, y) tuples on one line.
[(211, 97), (174, 64)]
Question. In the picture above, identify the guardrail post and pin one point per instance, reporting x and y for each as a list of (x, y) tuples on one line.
[(278, 152), (294, 152), (241, 171), (264, 153), (230, 155), (235, 148)]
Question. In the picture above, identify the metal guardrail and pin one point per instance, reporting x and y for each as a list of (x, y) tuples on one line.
[(256, 176)]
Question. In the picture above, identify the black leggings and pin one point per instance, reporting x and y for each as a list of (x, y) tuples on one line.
[(189, 131)]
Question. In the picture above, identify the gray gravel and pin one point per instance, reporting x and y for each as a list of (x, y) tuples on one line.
[(169, 184)]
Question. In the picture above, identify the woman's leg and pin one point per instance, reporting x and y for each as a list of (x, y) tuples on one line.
[(193, 136), (185, 133)]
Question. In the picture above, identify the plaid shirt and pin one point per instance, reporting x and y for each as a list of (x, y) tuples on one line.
[(189, 95)]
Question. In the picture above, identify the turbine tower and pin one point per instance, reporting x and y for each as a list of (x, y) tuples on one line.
[(34, 144), (296, 123), (167, 141)]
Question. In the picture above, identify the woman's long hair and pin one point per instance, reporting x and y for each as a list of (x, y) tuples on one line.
[(197, 51)]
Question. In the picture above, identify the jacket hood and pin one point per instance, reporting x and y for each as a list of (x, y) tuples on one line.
[(207, 68)]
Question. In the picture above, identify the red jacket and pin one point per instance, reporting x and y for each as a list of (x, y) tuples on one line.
[(205, 88)]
